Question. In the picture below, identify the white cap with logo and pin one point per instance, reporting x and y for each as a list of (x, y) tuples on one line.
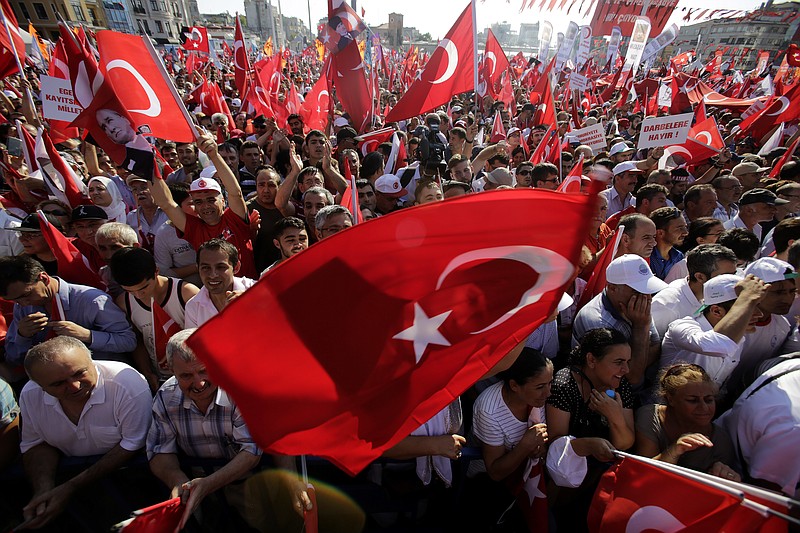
[(633, 271), (718, 290), (205, 184)]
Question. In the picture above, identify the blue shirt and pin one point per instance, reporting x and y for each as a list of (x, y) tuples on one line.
[(661, 266), (86, 306)]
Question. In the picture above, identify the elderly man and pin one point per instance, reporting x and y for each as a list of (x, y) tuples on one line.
[(699, 201), (749, 174), (332, 219), (624, 305), (77, 407), (193, 416), (728, 190), (639, 236), (756, 205), (46, 305)]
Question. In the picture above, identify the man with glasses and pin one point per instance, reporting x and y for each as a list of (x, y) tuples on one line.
[(749, 174), (332, 219), (545, 176), (213, 218), (755, 206), (46, 306), (524, 175), (671, 230), (729, 190)]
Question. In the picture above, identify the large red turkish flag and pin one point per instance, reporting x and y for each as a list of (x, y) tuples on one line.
[(141, 86), (449, 71), (352, 89), (549, 149), (494, 64), (241, 63), (704, 141), (440, 297), (8, 63), (636, 496), (317, 104), (61, 180), (72, 264), (781, 109)]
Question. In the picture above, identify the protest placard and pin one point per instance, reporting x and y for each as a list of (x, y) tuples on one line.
[(593, 136), (57, 100), (665, 131)]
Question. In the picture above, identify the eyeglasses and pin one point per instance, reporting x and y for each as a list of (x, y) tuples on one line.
[(25, 235), (524, 172), (57, 213), (554, 180)]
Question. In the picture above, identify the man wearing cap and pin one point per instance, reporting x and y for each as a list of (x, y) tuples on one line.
[(756, 205), (749, 174), (620, 195), (683, 296), (86, 219), (388, 190), (34, 244), (729, 190), (713, 338), (624, 305), (147, 218), (86, 313), (346, 138), (213, 219), (620, 152), (773, 333), (671, 230), (497, 177)]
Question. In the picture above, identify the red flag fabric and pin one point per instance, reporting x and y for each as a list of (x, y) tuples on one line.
[(498, 131), (241, 63), (369, 142), (60, 130), (549, 148), (159, 518), (62, 182), (704, 141), (28, 147), (782, 109), (449, 71), (141, 86), (195, 39), (56, 314), (455, 298), (608, 92), (343, 26), (546, 111), (397, 156), (527, 484), (351, 85), (700, 113), (635, 496), (317, 104), (786, 157), (793, 55), (104, 116), (494, 62), (350, 195), (597, 281), (164, 327), (72, 264), (8, 63), (572, 182)]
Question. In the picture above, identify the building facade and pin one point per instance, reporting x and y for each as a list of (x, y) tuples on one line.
[(264, 20), (769, 29)]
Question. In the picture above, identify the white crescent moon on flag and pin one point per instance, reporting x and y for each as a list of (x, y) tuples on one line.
[(554, 271), (154, 103), (259, 91), (784, 104), (237, 45), (494, 61), (319, 96), (84, 91), (61, 67), (686, 88), (451, 52), (671, 150), (351, 19), (653, 518), (197, 35), (704, 134)]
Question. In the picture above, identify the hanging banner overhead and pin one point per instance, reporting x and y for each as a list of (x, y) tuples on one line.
[(584, 46), (565, 50), (641, 31), (545, 36), (660, 42), (623, 13)]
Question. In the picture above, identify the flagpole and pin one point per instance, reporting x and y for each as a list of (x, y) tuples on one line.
[(16, 56), (475, 52)]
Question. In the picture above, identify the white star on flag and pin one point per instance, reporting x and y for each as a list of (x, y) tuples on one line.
[(532, 488), (424, 331)]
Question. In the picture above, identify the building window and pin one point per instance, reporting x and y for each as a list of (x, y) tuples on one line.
[(41, 12), (163, 6), (93, 16), (24, 9), (169, 28), (154, 5), (159, 27), (79, 14), (138, 7)]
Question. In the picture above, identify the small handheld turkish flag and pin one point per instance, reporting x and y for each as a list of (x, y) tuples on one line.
[(456, 293), (195, 39)]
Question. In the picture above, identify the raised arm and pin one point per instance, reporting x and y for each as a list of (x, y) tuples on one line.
[(287, 186), (208, 145)]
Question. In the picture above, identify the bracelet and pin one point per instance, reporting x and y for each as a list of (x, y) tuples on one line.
[(469, 140)]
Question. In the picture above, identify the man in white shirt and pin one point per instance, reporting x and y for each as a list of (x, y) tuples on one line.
[(77, 407), (756, 205), (217, 261), (620, 195), (682, 297), (713, 339)]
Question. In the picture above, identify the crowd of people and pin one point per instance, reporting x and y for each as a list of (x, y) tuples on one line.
[(687, 353)]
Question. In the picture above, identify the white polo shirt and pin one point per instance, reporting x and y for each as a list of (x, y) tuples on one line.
[(690, 340), (737, 222), (200, 309), (670, 304), (119, 411), (764, 424)]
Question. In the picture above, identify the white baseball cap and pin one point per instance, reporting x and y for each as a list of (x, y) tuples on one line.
[(390, 185), (626, 166), (620, 148), (208, 172), (205, 184), (719, 289), (770, 270), (341, 122), (633, 271)]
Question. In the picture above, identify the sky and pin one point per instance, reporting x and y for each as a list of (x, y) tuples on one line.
[(436, 16)]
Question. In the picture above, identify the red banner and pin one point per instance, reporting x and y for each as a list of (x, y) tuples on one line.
[(623, 14)]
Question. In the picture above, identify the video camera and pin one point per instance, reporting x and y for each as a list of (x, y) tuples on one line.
[(431, 150)]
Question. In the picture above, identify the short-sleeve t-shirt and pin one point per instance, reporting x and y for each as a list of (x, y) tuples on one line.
[(565, 395), (233, 229)]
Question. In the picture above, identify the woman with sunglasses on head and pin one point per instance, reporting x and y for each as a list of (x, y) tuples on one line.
[(680, 431)]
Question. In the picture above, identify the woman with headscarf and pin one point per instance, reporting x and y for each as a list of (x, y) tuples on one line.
[(104, 193)]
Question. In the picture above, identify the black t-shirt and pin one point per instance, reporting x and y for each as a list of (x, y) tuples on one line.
[(264, 251)]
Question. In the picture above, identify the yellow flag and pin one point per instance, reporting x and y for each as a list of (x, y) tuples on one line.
[(268, 51), (362, 48), (320, 49), (42, 46)]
